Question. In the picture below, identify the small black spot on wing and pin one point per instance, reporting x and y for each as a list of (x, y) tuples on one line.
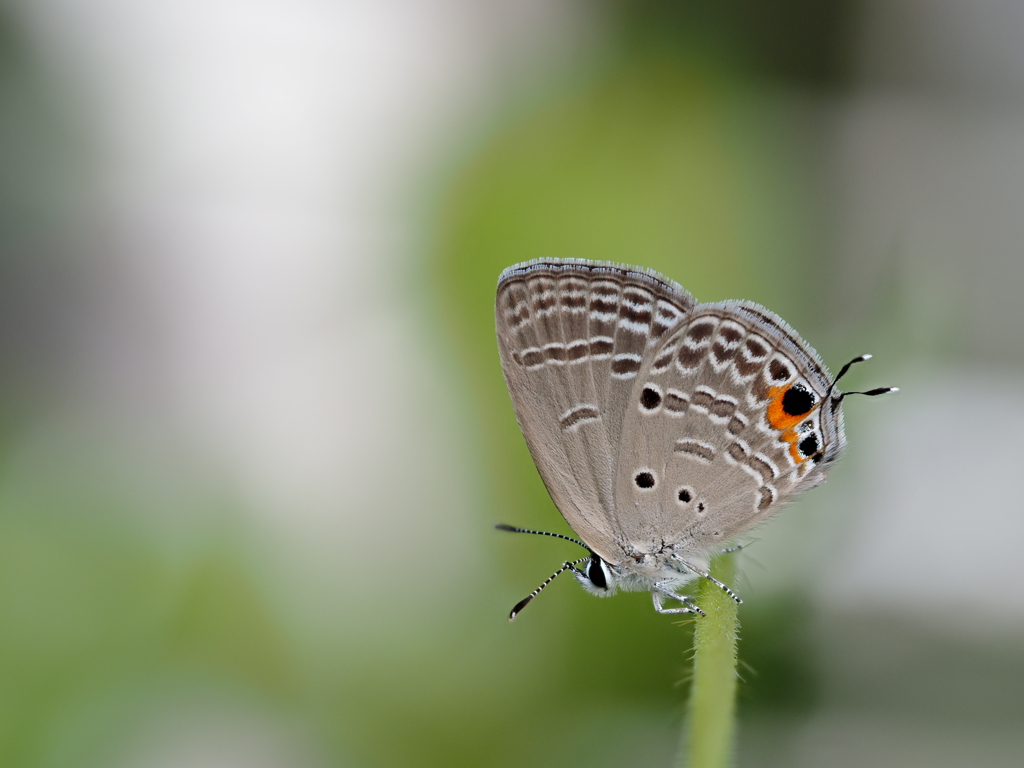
[(809, 445), (644, 480), (650, 398)]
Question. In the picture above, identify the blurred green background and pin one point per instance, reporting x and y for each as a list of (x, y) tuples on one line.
[(253, 429)]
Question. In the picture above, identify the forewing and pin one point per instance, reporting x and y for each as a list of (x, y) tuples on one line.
[(573, 336)]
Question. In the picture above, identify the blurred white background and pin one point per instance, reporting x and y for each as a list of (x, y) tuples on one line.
[(232, 337)]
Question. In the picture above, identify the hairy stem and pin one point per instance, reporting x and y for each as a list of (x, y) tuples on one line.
[(710, 722)]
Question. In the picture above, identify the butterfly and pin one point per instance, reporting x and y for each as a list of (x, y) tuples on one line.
[(661, 427)]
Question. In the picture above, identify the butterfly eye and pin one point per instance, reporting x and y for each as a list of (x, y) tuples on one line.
[(595, 572)]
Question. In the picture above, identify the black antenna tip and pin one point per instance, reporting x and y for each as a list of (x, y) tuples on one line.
[(519, 606), (506, 527), (873, 392), (881, 391)]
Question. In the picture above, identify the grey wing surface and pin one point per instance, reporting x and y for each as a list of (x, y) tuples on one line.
[(572, 336), (697, 422)]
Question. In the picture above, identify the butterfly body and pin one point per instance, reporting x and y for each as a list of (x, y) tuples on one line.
[(662, 428)]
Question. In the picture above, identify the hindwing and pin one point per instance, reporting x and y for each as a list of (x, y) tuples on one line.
[(707, 420)]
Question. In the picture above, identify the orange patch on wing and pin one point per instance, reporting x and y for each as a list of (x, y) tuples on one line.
[(790, 436), (777, 417), (784, 422)]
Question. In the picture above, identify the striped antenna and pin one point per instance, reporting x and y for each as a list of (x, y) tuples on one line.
[(514, 529), (565, 567)]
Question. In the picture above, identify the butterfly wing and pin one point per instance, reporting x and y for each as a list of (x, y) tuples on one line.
[(721, 442), (572, 337)]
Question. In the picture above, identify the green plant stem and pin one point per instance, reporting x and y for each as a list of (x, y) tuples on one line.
[(710, 722)]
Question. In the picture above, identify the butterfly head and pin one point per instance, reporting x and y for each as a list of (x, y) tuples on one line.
[(597, 577), (593, 572)]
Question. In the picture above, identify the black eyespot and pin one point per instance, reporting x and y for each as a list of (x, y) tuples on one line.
[(650, 399), (596, 573), (684, 496), (809, 445), (701, 508), (797, 401), (644, 480)]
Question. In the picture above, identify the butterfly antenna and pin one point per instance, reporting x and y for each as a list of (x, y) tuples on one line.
[(526, 601), (514, 529), (869, 393), (872, 392), (844, 370)]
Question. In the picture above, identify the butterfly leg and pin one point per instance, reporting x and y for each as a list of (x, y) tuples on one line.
[(730, 550), (712, 579), (659, 593)]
